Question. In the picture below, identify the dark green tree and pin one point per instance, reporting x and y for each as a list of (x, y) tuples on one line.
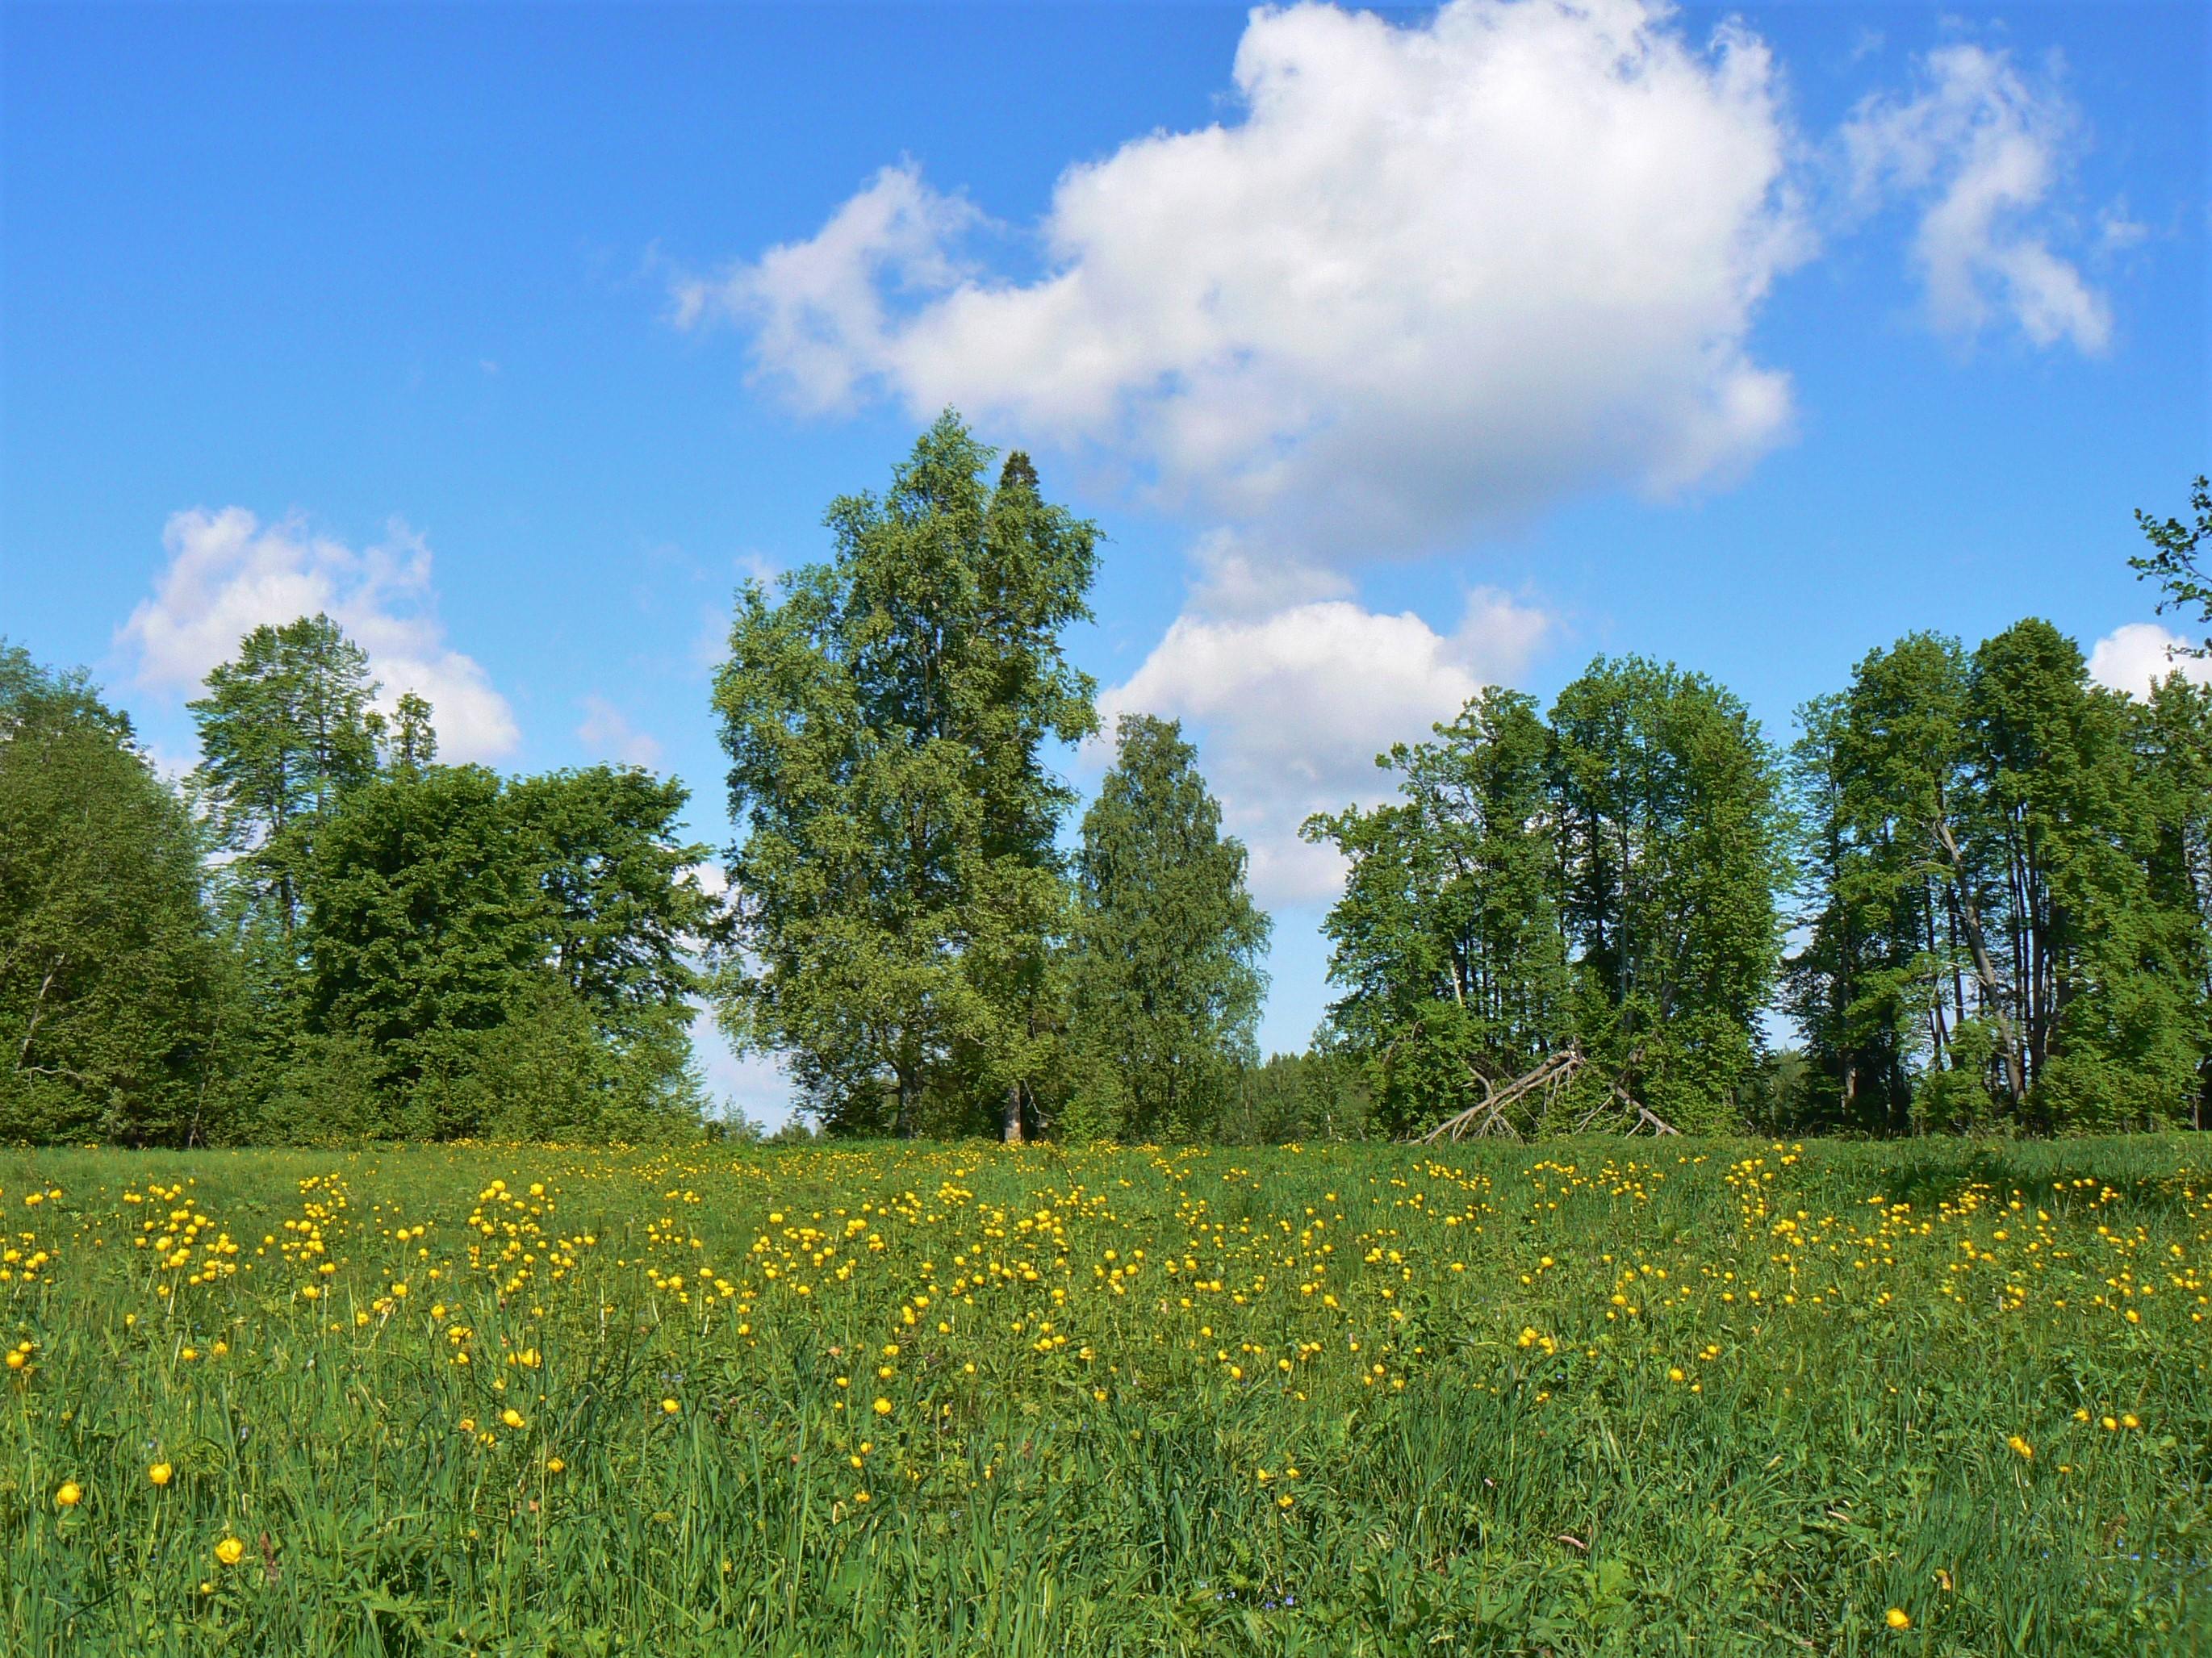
[(285, 730), (1880, 988), (2097, 977), (897, 896), (627, 918), (1447, 940), (1166, 979), (468, 934), (111, 981), (1673, 847), (2173, 742)]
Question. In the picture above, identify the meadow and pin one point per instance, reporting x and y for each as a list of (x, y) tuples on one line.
[(1629, 1397)]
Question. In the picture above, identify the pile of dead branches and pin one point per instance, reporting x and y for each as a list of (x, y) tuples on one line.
[(1511, 1110)]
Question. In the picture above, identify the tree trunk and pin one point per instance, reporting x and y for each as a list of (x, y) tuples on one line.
[(902, 1122), (1010, 1120), (2015, 1078)]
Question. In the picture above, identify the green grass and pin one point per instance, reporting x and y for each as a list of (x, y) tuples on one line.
[(1795, 1418)]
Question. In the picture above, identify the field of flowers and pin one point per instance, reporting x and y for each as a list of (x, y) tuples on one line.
[(1620, 1397)]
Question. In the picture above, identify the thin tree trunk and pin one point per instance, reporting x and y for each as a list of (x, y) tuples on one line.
[(1009, 1125), (2007, 1038)]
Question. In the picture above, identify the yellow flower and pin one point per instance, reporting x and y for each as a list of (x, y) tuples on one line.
[(2021, 1446), (1897, 1617), (670, 1407), (555, 1464), (882, 1407), (161, 1473), (230, 1550), (512, 1417), (70, 1494)]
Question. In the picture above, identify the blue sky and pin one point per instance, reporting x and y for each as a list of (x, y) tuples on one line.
[(1394, 353)]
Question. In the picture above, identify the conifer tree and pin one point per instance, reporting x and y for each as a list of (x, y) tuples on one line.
[(1166, 985)]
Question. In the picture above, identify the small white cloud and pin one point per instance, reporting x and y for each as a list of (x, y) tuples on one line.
[(2118, 231), (1980, 147), (607, 733), (1290, 710), (2136, 657), (229, 573), (1434, 274)]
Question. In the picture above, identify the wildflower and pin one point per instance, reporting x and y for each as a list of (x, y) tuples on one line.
[(882, 1407), (555, 1464), (230, 1550), (670, 1407), (1897, 1619), (2021, 1446), (512, 1417), (70, 1494), (161, 1473)]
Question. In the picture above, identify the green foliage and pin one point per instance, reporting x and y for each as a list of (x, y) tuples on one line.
[(2173, 558), (1881, 774), (1448, 937), (2098, 982), (1672, 846), (111, 982), (1606, 882), (285, 731), (1165, 985), (898, 896), (1299, 1097), (485, 940)]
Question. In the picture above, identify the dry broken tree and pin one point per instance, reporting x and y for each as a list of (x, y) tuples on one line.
[(1532, 1095)]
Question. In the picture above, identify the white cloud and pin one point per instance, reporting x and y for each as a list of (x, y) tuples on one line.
[(1435, 274), (607, 733), (819, 304), (709, 877), (1290, 710), (2136, 657), (1981, 148), (228, 573)]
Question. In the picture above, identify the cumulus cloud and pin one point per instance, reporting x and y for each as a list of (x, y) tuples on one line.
[(1289, 710), (228, 573), (2136, 657), (1432, 274), (607, 733), (1980, 147)]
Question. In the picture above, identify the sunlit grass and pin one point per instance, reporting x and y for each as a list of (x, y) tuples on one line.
[(1629, 1398)]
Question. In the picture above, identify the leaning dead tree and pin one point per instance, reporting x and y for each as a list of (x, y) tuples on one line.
[(1512, 1109)]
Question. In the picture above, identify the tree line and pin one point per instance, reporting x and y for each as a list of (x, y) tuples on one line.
[(1974, 893), (324, 933), (1979, 885)]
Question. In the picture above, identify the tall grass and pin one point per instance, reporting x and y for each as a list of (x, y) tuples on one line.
[(1593, 1397)]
